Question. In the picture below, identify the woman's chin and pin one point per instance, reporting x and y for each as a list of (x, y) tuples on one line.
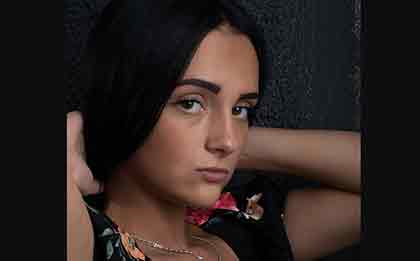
[(206, 198)]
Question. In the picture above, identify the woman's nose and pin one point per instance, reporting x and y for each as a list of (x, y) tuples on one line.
[(222, 136)]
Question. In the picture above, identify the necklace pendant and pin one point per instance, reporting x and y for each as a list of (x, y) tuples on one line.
[(200, 258)]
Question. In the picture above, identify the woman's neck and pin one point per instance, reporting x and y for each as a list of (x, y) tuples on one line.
[(140, 212)]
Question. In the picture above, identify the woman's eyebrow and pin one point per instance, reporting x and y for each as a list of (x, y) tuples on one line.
[(214, 88), (251, 95)]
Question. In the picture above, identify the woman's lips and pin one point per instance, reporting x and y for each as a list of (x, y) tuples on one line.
[(214, 175)]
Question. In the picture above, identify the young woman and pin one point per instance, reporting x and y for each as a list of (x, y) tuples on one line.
[(166, 121)]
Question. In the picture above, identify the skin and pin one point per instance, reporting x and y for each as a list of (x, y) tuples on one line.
[(198, 128), (79, 227)]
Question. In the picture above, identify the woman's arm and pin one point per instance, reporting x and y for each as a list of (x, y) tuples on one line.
[(331, 157), (79, 228), (80, 238), (318, 221)]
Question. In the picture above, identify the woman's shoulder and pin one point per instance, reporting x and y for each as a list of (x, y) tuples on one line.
[(111, 243)]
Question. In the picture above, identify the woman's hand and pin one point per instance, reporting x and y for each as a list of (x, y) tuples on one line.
[(76, 164)]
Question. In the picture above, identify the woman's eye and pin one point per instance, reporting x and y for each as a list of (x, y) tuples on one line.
[(241, 112), (191, 106)]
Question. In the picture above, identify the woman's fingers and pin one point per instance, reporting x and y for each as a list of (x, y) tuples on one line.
[(76, 163)]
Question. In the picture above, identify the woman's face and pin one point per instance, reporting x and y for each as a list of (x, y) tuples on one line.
[(192, 151)]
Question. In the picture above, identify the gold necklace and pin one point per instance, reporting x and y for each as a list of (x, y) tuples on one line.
[(157, 245)]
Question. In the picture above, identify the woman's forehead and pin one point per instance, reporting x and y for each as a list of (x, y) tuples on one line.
[(225, 57)]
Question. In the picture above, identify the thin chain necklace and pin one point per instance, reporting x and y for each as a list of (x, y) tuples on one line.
[(156, 245)]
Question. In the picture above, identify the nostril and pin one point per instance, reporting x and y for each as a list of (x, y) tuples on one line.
[(221, 148)]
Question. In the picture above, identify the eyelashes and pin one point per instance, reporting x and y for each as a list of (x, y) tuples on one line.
[(195, 106), (190, 105), (242, 112)]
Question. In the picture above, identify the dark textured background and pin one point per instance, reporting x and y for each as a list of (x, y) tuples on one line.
[(311, 53)]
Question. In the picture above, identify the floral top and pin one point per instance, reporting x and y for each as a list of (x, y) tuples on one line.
[(247, 218)]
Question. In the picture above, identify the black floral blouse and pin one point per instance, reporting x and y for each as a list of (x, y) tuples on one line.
[(248, 218)]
